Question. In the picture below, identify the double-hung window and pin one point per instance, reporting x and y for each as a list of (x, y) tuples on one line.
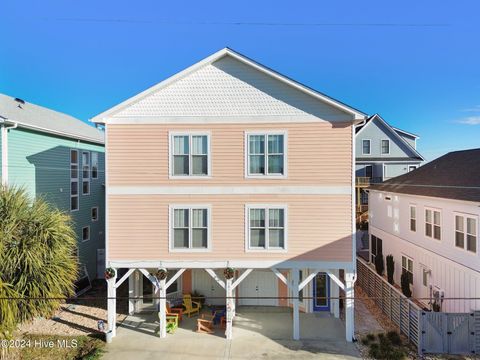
[(413, 218), (190, 228), (407, 267), (94, 165), (365, 147), (433, 224), (190, 155), (376, 245), (85, 173), (466, 232), (74, 180), (266, 154), (266, 227), (385, 147)]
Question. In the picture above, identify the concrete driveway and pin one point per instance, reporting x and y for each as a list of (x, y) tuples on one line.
[(257, 333)]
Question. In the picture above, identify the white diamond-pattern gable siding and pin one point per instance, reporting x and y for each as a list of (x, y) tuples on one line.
[(229, 87)]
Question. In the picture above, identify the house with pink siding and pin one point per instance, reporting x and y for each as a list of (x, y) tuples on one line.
[(229, 164)]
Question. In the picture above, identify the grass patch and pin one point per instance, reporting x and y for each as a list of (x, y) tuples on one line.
[(55, 347), (385, 346)]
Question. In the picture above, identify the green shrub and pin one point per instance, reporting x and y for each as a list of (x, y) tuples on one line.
[(386, 349), (405, 283), (37, 245), (390, 268), (379, 265), (394, 338)]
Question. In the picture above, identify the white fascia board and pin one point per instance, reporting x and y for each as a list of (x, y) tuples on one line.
[(432, 198), (105, 116)]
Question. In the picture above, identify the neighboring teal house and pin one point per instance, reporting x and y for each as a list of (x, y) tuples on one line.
[(60, 158)]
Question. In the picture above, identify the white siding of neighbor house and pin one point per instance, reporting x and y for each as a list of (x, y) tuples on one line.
[(453, 270)]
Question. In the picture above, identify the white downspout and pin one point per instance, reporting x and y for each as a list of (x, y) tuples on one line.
[(4, 136)]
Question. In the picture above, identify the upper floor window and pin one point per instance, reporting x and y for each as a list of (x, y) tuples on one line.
[(190, 228), (407, 267), (385, 147), (433, 224), (266, 227), (74, 180), (94, 165), (266, 154), (85, 173), (190, 155), (86, 233), (466, 232), (366, 147), (413, 218), (94, 213)]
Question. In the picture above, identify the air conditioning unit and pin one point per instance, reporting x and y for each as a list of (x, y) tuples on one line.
[(438, 294)]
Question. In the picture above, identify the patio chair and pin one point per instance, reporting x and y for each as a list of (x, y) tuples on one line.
[(191, 307), (172, 322), (205, 324), (175, 311)]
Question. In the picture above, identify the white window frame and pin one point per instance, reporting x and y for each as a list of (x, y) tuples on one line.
[(465, 232), (190, 207), (265, 133), (433, 223), (381, 147), (408, 258), (190, 134), (86, 179), (77, 179), (266, 207), (91, 210), (410, 217), (369, 147), (92, 153), (86, 227)]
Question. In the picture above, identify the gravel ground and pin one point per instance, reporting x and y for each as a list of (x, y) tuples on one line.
[(80, 316)]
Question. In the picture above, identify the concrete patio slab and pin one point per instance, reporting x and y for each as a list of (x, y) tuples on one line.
[(257, 333)]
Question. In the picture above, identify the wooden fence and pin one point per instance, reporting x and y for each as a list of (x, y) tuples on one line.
[(431, 332)]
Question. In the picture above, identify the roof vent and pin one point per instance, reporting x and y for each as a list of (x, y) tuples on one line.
[(19, 100)]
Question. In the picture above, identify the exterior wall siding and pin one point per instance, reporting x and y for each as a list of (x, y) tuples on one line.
[(40, 163), (455, 270), (376, 132), (318, 154), (319, 227)]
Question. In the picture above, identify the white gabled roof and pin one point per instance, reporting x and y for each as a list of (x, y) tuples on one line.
[(120, 108)]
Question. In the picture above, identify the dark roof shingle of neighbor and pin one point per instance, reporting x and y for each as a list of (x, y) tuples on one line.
[(455, 175), (39, 117)]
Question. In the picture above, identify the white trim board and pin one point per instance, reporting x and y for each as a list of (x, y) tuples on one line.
[(238, 264), (229, 190)]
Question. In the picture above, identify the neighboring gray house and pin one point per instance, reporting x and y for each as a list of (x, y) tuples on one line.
[(61, 159), (382, 152)]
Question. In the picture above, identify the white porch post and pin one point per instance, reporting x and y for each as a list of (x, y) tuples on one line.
[(163, 308), (349, 305), (131, 293), (296, 304), (230, 308), (334, 293), (112, 307)]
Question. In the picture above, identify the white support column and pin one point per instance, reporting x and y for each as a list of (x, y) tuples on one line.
[(230, 309), (334, 293), (111, 307), (163, 308), (296, 304), (349, 305), (131, 293)]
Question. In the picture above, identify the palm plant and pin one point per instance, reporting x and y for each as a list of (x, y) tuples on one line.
[(37, 262)]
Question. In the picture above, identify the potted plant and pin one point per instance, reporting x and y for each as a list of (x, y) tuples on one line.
[(229, 273), (161, 274), (405, 283), (379, 264), (109, 273)]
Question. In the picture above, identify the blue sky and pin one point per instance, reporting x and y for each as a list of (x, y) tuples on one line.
[(417, 63)]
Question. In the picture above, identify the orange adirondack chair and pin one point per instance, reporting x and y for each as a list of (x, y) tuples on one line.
[(175, 311), (205, 324)]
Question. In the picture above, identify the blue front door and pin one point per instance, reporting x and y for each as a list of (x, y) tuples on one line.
[(321, 292)]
